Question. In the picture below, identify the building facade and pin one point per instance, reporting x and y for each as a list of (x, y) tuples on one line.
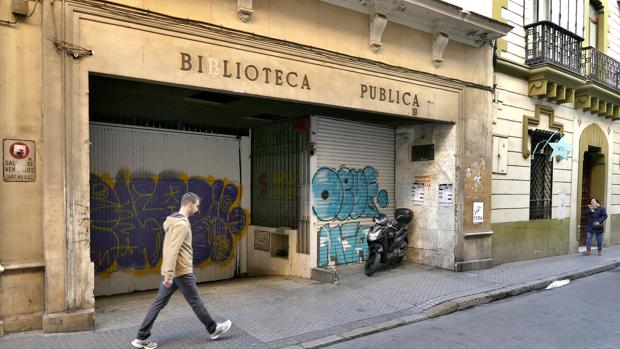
[(557, 78), (295, 121)]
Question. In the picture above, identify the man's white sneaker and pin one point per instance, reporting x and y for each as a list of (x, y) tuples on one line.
[(146, 344), (221, 328)]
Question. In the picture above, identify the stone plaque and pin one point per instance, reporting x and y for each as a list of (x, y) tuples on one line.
[(262, 240), (18, 161)]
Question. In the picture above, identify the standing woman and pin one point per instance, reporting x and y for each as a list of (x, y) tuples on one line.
[(596, 216)]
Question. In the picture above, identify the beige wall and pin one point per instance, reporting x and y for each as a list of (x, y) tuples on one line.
[(46, 222), (20, 118), (311, 22), (261, 262), (511, 190), (432, 240), (21, 238)]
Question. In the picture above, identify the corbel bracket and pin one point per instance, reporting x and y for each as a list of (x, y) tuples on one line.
[(378, 22), (440, 41), (244, 10)]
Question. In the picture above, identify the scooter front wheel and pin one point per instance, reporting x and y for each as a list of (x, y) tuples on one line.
[(371, 265)]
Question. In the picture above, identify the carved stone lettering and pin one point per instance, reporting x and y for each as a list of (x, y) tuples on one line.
[(389, 95), (243, 71)]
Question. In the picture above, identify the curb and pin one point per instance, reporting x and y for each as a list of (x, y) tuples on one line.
[(451, 306)]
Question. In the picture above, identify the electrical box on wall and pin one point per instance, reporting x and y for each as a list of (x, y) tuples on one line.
[(500, 154), (19, 7)]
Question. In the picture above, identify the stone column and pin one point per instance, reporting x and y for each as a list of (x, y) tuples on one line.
[(68, 306), (473, 241), (474, 248)]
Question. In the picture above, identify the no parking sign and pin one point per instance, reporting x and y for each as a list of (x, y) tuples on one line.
[(19, 161)]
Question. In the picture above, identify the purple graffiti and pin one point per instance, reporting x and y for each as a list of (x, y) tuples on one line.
[(127, 214)]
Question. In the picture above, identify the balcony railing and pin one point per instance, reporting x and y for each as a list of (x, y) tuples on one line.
[(547, 42), (601, 68)]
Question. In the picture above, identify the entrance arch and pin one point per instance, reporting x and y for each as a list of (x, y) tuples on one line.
[(593, 159)]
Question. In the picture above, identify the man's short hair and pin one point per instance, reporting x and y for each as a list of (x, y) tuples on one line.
[(189, 198)]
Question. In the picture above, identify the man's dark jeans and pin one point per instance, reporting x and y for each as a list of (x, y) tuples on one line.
[(187, 284), (599, 238)]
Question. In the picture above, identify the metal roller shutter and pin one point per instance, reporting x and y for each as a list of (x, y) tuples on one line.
[(354, 181), (138, 176)]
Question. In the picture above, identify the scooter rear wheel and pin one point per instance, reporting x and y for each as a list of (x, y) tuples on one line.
[(371, 265)]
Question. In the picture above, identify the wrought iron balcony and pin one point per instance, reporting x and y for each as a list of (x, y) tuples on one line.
[(547, 42), (601, 68)]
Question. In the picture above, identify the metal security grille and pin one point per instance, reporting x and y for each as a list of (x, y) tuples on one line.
[(353, 182), (547, 42), (601, 68), (541, 176), (280, 177)]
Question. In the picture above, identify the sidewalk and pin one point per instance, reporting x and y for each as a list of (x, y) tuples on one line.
[(278, 312)]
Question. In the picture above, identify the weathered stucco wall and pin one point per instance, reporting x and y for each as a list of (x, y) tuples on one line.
[(518, 241), (21, 238), (614, 233), (262, 262), (473, 250), (432, 233)]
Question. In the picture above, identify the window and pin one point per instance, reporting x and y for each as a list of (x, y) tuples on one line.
[(593, 23), (541, 175), (541, 10)]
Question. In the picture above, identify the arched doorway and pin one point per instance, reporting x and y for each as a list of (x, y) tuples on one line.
[(593, 158)]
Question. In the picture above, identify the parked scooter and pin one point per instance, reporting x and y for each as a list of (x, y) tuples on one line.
[(387, 242)]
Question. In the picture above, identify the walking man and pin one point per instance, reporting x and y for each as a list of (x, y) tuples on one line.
[(177, 270), (596, 216)]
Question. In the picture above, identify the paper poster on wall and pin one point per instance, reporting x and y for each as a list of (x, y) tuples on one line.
[(478, 212), (262, 240), (445, 194), (417, 193), (425, 180), (561, 205), (418, 190)]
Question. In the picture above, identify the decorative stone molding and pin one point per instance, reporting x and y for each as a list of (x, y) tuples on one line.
[(378, 22), (440, 41), (527, 121), (244, 10), (551, 91), (598, 101)]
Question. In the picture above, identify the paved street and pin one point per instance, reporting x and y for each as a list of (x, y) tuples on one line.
[(277, 312), (583, 314)]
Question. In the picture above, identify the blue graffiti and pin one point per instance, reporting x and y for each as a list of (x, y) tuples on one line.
[(344, 243), (127, 216), (346, 193)]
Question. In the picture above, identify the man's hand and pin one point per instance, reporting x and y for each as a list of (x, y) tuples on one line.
[(167, 282)]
